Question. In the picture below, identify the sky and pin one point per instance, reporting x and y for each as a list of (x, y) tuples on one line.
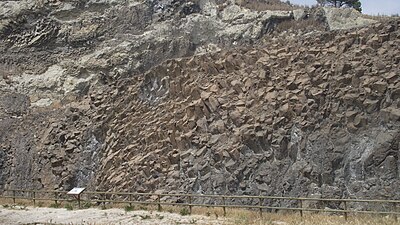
[(372, 7)]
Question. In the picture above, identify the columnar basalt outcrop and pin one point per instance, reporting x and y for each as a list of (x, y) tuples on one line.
[(197, 96), (311, 116)]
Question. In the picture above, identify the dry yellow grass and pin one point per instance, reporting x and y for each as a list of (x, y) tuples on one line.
[(381, 18), (242, 217)]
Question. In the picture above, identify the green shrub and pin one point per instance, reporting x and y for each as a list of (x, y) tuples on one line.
[(55, 205), (68, 207), (143, 207), (87, 205), (129, 208), (184, 212)]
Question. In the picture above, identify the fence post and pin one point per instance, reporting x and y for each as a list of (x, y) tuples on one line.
[(79, 201), (34, 198), (14, 196), (130, 200), (224, 208), (104, 200), (301, 208), (190, 205), (55, 198), (159, 203), (260, 207), (88, 200), (345, 208)]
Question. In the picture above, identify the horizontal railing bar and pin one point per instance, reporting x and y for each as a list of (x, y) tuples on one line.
[(117, 193), (251, 197), (53, 199), (37, 191), (116, 201), (37, 199), (219, 196), (137, 202), (17, 197)]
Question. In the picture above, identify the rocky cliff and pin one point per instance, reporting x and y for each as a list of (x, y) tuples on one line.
[(198, 96)]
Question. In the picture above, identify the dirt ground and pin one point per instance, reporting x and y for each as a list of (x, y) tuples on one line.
[(93, 216)]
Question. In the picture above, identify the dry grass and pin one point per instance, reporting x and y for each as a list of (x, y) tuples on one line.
[(381, 18), (242, 217)]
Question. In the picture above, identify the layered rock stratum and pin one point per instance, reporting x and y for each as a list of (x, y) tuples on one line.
[(198, 97)]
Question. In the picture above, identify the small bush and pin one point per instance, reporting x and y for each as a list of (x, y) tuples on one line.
[(87, 205), (68, 207), (6, 206), (143, 208), (55, 205), (40, 204), (129, 208), (184, 212)]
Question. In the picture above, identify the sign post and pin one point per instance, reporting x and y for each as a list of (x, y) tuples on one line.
[(76, 192)]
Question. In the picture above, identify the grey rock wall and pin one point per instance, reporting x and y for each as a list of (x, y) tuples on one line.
[(196, 97)]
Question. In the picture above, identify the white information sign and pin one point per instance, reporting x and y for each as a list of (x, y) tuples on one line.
[(76, 191)]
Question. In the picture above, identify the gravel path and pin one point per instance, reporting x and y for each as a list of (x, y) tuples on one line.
[(94, 216)]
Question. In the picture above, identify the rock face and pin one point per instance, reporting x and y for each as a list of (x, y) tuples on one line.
[(338, 19), (196, 96)]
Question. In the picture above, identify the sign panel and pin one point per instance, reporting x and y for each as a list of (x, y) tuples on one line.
[(76, 191)]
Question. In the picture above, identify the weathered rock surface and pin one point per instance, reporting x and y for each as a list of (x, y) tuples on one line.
[(196, 97), (338, 19)]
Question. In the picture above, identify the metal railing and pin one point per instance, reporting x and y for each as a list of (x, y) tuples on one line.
[(190, 201)]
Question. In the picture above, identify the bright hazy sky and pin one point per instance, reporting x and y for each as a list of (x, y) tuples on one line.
[(373, 7)]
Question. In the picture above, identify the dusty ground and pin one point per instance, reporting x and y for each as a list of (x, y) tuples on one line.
[(115, 216), (93, 216)]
